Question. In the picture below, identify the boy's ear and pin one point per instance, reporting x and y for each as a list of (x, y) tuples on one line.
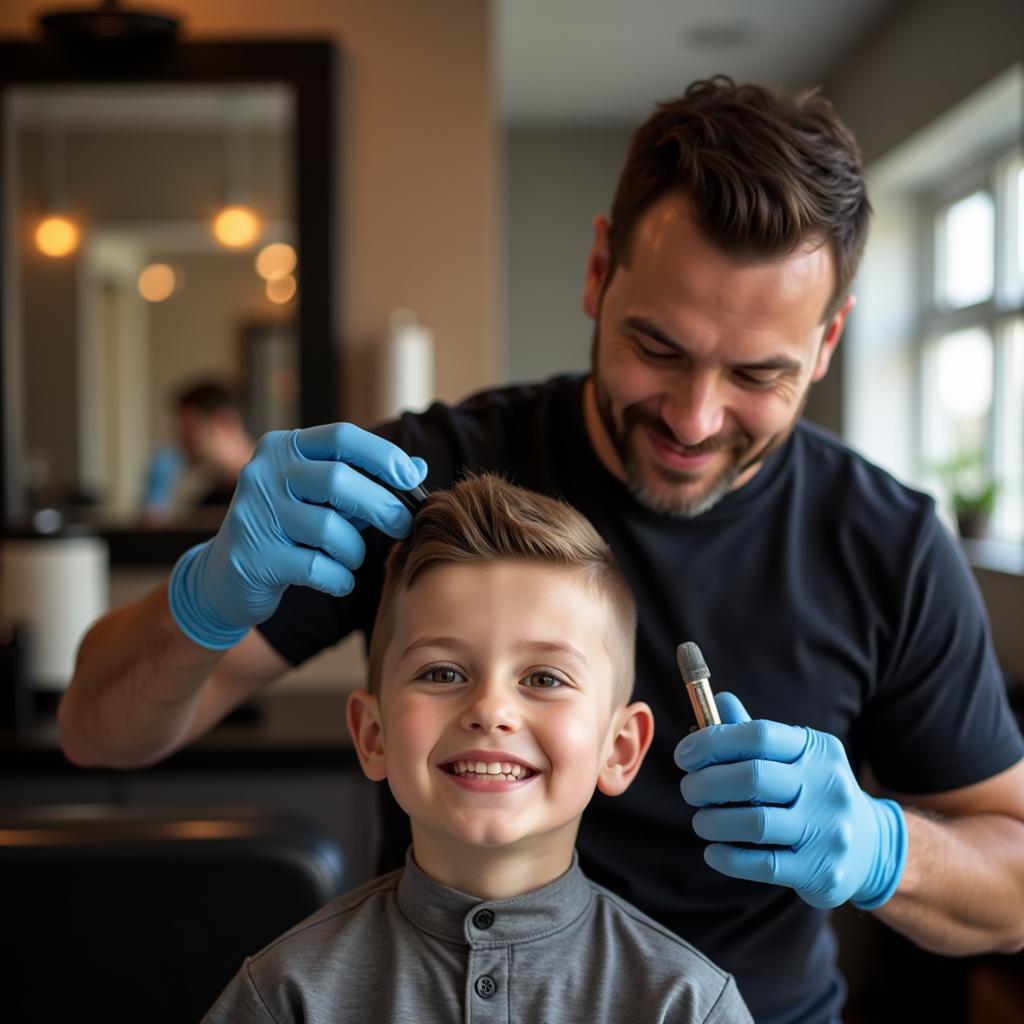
[(628, 741), (367, 734)]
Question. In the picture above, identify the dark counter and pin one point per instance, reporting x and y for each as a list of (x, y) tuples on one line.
[(278, 732)]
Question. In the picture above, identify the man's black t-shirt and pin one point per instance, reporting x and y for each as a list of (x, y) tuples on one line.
[(822, 593)]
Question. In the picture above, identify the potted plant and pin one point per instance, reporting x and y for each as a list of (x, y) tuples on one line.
[(971, 492)]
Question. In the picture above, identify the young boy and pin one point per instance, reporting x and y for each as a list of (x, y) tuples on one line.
[(501, 667)]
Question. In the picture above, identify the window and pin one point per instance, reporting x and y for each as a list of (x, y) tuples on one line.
[(970, 442)]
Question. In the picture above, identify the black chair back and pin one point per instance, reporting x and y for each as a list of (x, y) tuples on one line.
[(117, 915)]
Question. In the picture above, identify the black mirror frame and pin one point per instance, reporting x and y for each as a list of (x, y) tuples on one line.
[(309, 67)]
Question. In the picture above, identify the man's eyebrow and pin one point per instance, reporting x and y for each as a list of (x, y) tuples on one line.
[(644, 326)]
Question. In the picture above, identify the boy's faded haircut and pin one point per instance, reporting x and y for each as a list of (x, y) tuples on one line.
[(485, 519)]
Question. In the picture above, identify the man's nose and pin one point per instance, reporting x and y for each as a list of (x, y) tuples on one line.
[(695, 409), (491, 708)]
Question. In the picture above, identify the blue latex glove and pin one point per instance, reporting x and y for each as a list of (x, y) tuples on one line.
[(798, 797), (294, 520), (162, 475)]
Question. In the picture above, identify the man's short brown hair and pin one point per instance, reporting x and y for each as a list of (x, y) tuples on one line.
[(485, 519), (765, 172)]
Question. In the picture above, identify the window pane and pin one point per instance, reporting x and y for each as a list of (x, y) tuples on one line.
[(966, 259), (1018, 284), (958, 397), (1009, 466)]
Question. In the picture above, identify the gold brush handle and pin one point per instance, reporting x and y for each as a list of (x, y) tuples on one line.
[(703, 701)]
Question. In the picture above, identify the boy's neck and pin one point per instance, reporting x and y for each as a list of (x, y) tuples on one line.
[(492, 872)]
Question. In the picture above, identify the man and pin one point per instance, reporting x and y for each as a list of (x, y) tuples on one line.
[(822, 593), (211, 437), (208, 421)]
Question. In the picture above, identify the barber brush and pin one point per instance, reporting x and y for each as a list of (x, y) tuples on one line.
[(413, 499), (694, 670)]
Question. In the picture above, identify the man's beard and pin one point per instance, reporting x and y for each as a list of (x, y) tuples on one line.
[(668, 501)]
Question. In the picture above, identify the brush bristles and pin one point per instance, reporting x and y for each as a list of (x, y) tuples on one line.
[(692, 665)]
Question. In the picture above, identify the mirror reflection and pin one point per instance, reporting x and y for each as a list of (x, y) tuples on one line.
[(153, 328)]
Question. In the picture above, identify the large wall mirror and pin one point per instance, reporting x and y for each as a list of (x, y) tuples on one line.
[(166, 222)]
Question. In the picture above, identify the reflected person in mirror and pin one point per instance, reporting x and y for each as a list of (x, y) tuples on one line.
[(211, 438)]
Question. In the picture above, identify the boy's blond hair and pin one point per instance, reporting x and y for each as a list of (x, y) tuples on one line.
[(485, 519)]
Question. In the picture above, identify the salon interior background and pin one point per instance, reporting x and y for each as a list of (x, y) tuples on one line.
[(476, 140)]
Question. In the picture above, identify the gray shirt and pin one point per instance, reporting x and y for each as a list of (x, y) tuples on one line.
[(405, 949)]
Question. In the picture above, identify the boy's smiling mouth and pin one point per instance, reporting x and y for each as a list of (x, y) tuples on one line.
[(487, 769)]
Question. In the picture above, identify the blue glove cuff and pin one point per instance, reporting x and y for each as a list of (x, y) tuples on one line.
[(190, 607), (891, 859)]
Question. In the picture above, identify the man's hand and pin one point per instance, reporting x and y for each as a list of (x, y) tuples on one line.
[(294, 520), (791, 790)]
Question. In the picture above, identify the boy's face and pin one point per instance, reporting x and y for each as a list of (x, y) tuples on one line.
[(497, 714)]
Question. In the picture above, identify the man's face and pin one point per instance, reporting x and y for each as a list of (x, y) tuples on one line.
[(195, 430), (496, 708), (701, 363), (203, 435)]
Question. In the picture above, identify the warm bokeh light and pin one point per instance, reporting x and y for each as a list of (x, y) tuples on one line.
[(275, 260), (281, 289), (157, 282), (56, 236), (236, 227)]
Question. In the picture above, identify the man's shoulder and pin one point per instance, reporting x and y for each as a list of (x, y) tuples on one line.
[(503, 430), (488, 408), (851, 481)]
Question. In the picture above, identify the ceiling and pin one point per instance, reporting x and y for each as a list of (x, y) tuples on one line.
[(609, 61)]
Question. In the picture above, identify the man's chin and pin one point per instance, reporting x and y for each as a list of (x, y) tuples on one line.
[(679, 495)]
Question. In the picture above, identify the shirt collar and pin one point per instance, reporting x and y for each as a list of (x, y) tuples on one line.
[(456, 916)]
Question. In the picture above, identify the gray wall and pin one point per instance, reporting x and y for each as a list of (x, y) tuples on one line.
[(558, 179), (926, 57)]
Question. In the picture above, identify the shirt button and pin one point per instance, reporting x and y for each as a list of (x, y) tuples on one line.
[(486, 987), (483, 919)]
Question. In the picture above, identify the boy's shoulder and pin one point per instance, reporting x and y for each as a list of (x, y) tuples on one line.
[(621, 964), (633, 933), (356, 916)]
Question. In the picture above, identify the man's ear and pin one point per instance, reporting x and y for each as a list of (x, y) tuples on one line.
[(832, 335), (628, 742), (597, 267), (364, 725)]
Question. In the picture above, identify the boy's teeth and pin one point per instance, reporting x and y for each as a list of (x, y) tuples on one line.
[(490, 768)]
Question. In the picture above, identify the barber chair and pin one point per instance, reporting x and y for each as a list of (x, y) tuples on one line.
[(115, 915)]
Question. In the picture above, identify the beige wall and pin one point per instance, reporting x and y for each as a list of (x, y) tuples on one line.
[(419, 190)]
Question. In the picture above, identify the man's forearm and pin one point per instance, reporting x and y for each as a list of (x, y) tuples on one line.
[(136, 687), (962, 890)]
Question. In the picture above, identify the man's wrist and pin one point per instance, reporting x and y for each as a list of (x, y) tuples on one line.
[(887, 869), (190, 606)]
